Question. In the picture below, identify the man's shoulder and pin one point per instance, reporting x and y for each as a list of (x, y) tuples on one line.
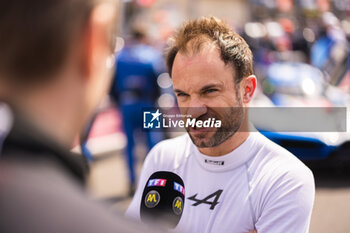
[(274, 161), (282, 187), (36, 192), (170, 151), (172, 145)]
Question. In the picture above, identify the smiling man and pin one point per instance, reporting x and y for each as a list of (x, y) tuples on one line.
[(236, 180)]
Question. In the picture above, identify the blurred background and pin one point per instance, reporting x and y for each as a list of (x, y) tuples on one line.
[(301, 59)]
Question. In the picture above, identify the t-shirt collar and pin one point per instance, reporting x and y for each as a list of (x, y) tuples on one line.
[(229, 161)]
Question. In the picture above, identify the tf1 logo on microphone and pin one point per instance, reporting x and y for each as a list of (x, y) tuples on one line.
[(156, 182), (178, 187)]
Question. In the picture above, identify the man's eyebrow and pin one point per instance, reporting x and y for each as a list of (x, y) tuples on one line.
[(206, 87), (179, 91), (209, 86)]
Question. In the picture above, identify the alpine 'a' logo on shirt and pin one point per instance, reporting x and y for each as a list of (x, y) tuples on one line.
[(214, 162), (216, 195)]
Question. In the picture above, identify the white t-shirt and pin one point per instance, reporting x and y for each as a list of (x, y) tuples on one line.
[(259, 185)]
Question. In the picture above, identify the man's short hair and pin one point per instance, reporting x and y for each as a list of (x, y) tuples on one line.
[(193, 34), (37, 35)]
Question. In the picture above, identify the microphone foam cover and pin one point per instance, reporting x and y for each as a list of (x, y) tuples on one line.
[(163, 199)]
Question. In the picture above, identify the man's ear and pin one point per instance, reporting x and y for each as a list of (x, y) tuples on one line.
[(96, 39), (248, 87)]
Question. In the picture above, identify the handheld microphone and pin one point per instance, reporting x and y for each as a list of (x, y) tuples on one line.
[(163, 199)]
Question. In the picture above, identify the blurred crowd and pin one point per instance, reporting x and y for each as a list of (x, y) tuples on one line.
[(311, 54), (300, 48)]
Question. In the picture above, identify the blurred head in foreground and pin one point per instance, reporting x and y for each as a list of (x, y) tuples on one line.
[(55, 66), (56, 61)]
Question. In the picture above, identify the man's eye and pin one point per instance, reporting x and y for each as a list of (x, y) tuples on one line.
[(210, 91), (181, 94)]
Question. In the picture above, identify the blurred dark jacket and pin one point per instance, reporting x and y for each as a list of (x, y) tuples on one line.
[(42, 188)]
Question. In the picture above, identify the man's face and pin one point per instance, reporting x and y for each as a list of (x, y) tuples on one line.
[(205, 88)]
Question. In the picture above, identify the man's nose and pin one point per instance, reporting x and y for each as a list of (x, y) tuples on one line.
[(196, 108)]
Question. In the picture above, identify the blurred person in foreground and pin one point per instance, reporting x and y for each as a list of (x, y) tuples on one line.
[(236, 180), (55, 65), (134, 88)]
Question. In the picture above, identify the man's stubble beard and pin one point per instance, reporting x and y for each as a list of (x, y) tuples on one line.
[(231, 121)]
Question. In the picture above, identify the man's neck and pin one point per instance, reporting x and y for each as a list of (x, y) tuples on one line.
[(48, 111), (53, 123)]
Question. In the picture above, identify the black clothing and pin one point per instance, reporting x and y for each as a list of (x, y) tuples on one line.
[(41, 189)]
